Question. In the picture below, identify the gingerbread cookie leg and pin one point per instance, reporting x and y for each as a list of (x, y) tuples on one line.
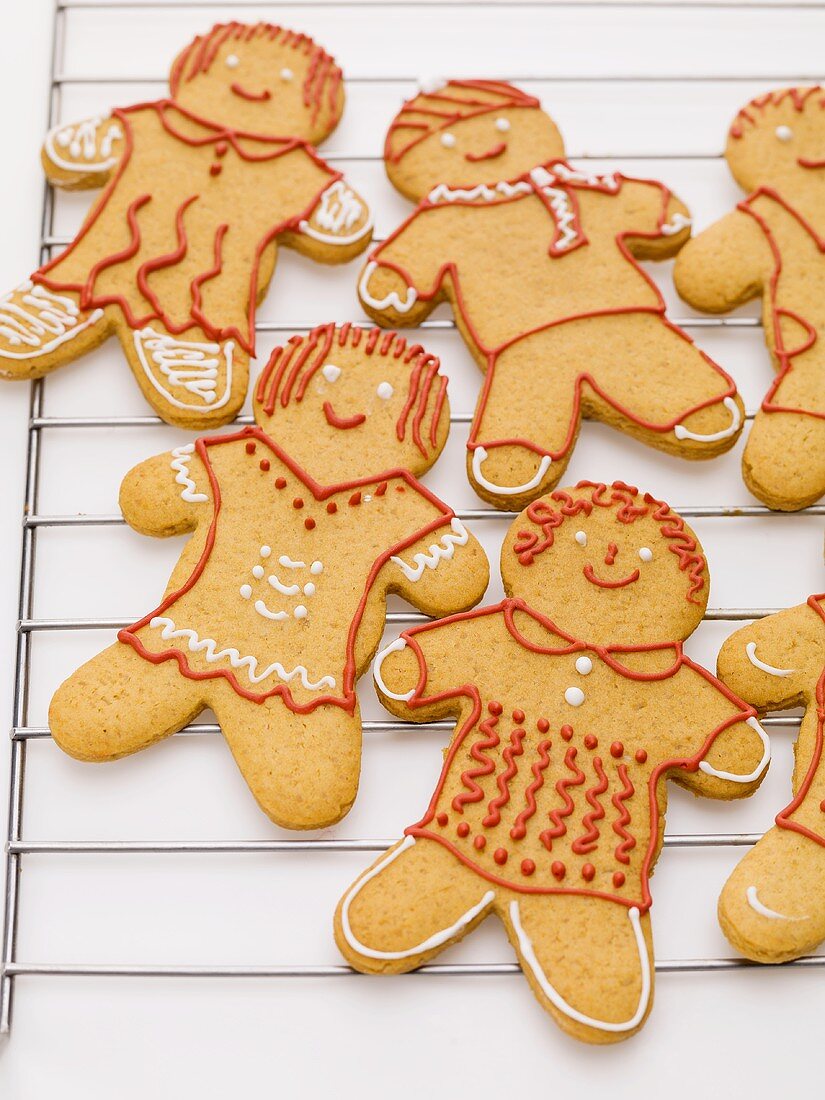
[(412, 903), (588, 961), (41, 329), (189, 379), (118, 703)]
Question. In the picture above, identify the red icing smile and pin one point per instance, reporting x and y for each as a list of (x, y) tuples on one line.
[(804, 162), (631, 578), (496, 151), (336, 421), (256, 97)]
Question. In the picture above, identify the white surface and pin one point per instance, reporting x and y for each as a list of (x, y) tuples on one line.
[(399, 1037)]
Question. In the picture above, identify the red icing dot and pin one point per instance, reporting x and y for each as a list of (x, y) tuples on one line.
[(822, 805), (567, 732), (518, 717), (463, 828), (558, 869), (264, 464), (442, 819), (479, 842), (588, 871), (618, 879), (280, 483), (641, 756), (355, 498), (495, 708), (542, 725), (220, 148), (527, 867), (590, 742), (382, 488), (250, 448), (399, 488), (297, 503), (500, 856), (617, 749), (309, 523), (215, 169), (332, 507)]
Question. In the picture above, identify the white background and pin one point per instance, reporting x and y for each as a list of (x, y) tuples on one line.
[(410, 1036)]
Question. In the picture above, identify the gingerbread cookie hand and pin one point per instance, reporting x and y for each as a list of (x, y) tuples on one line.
[(83, 154)]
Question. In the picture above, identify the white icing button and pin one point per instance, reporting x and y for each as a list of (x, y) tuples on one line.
[(503, 125), (316, 567), (784, 133), (385, 391), (584, 666), (258, 571), (232, 61), (448, 140), (246, 591), (309, 589), (287, 74), (646, 554), (331, 372), (300, 612), (367, 498), (581, 538), (266, 551), (574, 696)]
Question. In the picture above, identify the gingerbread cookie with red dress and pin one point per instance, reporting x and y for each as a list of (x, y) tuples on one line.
[(201, 189), (773, 246), (300, 528), (574, 702), (538, 260)]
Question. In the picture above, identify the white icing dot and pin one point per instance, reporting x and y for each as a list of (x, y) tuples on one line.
[(309, 589), (385, 391), (645, 553), (448, 140), (258, 571), (300, 612), (581, 538), (316, 567), (266, 551), (584, 666), (232, 61), (503, 125), (246, 591), (784, 133), (574, 696), (287, 74), (331, 372)]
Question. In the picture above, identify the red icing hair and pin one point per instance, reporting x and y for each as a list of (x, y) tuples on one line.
[(290, 369), (630, 507), (323, 75), (429, 112), (750, 115)]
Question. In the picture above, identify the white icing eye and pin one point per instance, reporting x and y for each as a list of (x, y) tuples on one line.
[(385, 391), (246, 591), (784, 133), (316, 567), (581, 538), (266, 551), (503, 125), (257, 571), (287, 74), (448, 140), (331, 372), (232, 61), (646, 554), (309, 589)]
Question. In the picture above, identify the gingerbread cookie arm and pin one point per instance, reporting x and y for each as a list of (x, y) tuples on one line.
[(444, 572), (401, 283), (725, 266), (83, 154), (338, 228), (168, 494), (656, 223)]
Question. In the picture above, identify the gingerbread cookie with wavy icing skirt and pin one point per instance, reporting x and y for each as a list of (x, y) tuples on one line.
[(201, 188), (538, 260), (276, 605), (574, 703), (773, 245), (772, 907)]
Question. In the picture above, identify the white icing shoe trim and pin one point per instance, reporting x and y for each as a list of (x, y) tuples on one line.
[(391, 299), (399, 643), (750, 650), (435, 940), (47, 313), (442, 550), (480, 457), (337, 209), (529, 955), (680, 222), (187, 364), (180, 463), (81, 141), (708, 769), (681, 432), (763, 910)]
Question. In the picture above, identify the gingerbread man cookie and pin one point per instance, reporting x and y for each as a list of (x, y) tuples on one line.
[(539, 263), (772, 907), (276, 605), (550, 806), (773, 245), (201, 189)]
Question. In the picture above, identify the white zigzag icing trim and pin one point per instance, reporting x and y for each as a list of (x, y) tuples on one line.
[(180, 463), (443, 193), (439, 551), (207, 646)]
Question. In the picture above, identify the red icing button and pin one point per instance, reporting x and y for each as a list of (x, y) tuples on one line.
[(588, 871), (309, 523), (264, 464), (250, 448), (500, 856), (463, 828), (215, 169), (280, 483), (558, 869), (332, 507), (297, 503), (567, 732), (355, 498), (442, 819), (542, 725), (527, 867), (590, 742), (617, 749), (618, 879), (479, 842), (220, 149), (822, 805), (641, 756), (399, 488), (518, 717), (495, 708), (382, 488)]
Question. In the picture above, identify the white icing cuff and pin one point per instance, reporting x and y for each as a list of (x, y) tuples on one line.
[(772, 670), (34, 317), (529, 955), (436, 940), (391, 299), (708, 769), (338, 209), (480, 457), (398, 644), (185, 365), (670, 229), (440, 551), (763, 910), (80, 140), (681, 432)]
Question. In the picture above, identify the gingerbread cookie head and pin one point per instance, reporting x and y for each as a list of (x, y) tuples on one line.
[(345, 401), (778, 139), (608, 565), (262, 79), (467, 132)]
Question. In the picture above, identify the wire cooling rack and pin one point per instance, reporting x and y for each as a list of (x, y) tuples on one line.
[(34, 521)]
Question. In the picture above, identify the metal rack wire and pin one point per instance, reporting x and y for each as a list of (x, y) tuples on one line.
[(11, 967)]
